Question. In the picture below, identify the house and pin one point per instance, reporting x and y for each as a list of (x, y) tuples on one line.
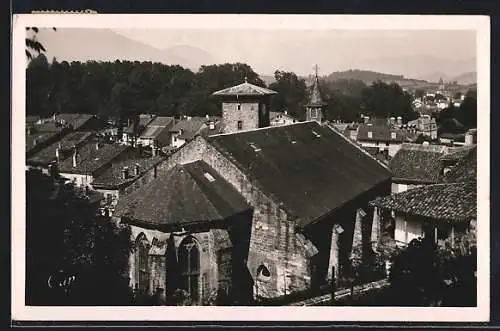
[(157, 132), (89, 161), (384, 137), (426, 125), (269, 212), (124, 176), (281, 118), (415, 165), (135, 128), (78, 122), (445, 213), (185, 130), (58, 151), (37, 140)]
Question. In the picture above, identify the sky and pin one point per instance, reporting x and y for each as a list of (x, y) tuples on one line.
[(413, 53)]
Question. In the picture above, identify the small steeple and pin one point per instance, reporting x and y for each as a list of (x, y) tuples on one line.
[(314, 109), (246, 79)]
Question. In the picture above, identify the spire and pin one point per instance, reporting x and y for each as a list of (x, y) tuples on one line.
[(246, 79), (315, 92)]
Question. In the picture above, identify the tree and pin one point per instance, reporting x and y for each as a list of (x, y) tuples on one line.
[(33, 46), (419, 93), (66, 238), (467, 112), (386, 100), (292, 93)]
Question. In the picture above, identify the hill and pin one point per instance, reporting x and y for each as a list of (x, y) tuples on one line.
[(366, 76)]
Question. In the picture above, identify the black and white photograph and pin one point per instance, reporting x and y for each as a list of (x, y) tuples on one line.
[(251, 161)]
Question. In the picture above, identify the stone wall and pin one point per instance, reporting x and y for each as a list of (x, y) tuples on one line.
[(215, 260), (248, 114)]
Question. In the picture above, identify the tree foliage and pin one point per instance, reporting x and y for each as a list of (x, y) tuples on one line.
[(66, 237), (292, 93), (459, 119)]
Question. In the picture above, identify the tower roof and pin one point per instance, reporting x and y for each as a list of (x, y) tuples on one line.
[(245, 89), (315, 96)]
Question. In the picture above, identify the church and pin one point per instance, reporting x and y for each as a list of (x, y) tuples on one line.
[(256, 212)]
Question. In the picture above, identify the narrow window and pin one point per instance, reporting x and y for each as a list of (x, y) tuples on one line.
[(240, 125), (393, 135), (370, 134), (239, 106), (189, 262)]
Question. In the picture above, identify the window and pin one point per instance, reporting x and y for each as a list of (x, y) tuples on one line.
[(189, 264), (141, 263), (314, 113), (240, 125), (239, 106), (263, 273), (209, 177), (370, 134)]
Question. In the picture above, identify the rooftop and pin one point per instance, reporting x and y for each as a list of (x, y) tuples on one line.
[(187, 194), (417, 163), (465, 169), (48, 154), (113, 178), (310, 168), (76, 121), (245, 89), (454, 202), (156, 126), (380, 133), (190, 127), (90, 159)]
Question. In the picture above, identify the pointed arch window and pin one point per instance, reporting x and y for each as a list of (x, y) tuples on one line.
[(142, 263), (189, 265)]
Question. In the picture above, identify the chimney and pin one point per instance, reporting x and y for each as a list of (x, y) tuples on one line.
[(35, 141), (125, 173), (207, 117), (211, 125), (367, 118), (137, 169), (54, 117), (58, 153), (153, 148), (400, 120), (181, 131), (392, 120), (75, 157)]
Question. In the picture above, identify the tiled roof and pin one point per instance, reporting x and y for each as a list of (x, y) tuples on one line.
[(37, 138), (182, 196), (379, 133), (112, 177), (75, 120), (417, 164), (48, 154), (310, 168), (452, 202), (144, 120), (457, 153), (465, 169), (156, 127), (190, 127), (91, 159), (245, 89)]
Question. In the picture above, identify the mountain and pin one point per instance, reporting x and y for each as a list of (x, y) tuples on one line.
[(107, 45), (466, 78), (366, 76)]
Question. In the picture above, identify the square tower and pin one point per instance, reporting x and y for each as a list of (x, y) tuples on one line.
[(244, 107)]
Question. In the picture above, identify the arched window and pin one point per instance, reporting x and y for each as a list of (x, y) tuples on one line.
[(189, 265), (263, 273), (142, 263)]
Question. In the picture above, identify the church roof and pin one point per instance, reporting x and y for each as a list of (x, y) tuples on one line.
[(311, 169), (245, 89), (187, 194)]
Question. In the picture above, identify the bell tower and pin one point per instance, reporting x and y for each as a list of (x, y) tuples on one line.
[(244, 107), (315, 108)]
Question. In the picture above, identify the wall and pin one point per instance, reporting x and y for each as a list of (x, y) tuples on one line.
[(80, 180), (249, 114), (177, 142), (215, 260), (407, 229)]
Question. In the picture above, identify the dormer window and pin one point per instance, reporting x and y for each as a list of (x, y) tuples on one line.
[(255, 147), (317, 135), (370, 134)]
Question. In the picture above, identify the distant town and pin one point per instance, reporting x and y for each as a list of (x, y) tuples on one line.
[(151, 184)]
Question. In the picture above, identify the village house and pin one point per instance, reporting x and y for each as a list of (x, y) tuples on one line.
[(124, 176), (156, 133), (384, 137), (415, 165), (77, 121), (135, 128), (426, 125), (89, 161), (444, 213), (58, 151), (281, 118), (185, 130)]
